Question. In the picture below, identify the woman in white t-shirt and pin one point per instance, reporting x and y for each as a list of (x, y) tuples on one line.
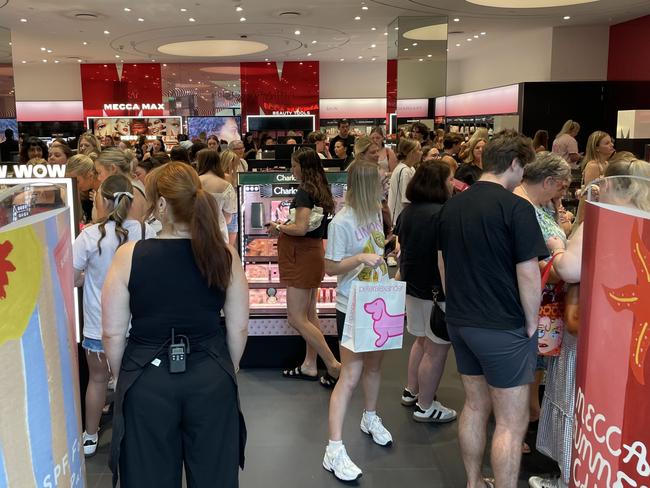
[(409, 153), (213, 180), (92, 252), (355, 247)]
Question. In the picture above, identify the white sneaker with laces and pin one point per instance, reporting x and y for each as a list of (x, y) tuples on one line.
[(539, 482), (436, 413), (408, 398), (90, 443), (337, 461), (373, 426)]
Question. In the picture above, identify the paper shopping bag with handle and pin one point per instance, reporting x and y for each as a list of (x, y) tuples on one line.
[(375, 317)]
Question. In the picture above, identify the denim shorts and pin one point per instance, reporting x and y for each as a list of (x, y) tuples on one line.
[(233, 226), (92, 345)]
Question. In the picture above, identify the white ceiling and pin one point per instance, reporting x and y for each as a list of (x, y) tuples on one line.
[(53, 25)]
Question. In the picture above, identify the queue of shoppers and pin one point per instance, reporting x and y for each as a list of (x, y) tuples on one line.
[(472, 226)]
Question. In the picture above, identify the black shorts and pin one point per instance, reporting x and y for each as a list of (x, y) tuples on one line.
[(507, 358)]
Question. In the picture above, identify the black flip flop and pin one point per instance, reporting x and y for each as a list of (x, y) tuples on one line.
[(297, 374), (328, 381)]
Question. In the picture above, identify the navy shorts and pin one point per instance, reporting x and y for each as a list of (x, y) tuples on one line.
[(506, 357)]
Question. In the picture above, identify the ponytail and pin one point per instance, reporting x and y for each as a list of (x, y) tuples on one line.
[(208, 246), (119, 190)]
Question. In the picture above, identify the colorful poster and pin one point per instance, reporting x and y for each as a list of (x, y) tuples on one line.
[(40, 426), (611, 421), (135, 126)]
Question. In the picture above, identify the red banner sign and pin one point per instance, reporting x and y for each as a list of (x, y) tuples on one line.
[(612, 408)]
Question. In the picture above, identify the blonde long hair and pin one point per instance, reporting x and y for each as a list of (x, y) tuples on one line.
[(364, 191), (591, 151), (568, 127), (635, 190)]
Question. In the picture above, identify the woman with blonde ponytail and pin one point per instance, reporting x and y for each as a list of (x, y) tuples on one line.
[(92, 254), (172, 290)]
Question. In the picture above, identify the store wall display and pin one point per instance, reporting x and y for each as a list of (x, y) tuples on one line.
[(627, 45), (274, 88), (56, 111), (612, 428), (51, 129), (40, 430), (135, 126), (225, 128), (123, 89)]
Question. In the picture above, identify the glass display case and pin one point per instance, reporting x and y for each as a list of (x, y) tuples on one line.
[(266, 197)]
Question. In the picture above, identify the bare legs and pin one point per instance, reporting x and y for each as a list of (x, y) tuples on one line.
[(96, 391), (354, 366), (415, 358), (511, 413), (430, 371), (302, 316), (535, 407)]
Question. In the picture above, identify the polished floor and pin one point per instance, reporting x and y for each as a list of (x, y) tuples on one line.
[(287, 427)]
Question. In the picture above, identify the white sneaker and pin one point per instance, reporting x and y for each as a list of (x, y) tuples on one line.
[(539, 482), (90, 443), (408, 398), (337, 461), (373, 426), (436, 413)]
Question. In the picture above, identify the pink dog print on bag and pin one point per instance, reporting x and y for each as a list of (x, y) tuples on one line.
[(384, 324)]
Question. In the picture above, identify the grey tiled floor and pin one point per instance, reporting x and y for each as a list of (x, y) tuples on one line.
[(287, 428)]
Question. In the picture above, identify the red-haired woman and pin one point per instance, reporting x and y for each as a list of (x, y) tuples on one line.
[(176, 397)]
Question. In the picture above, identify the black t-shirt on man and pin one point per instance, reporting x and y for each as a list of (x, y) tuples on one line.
[(417, 229), (304, 199), (484, 232), (349, 140)]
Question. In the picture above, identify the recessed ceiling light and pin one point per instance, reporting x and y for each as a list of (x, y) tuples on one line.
[(165, 65), (342, 59), (385, 33), (117, 55), (308, 54), (79, 61), (429, 55), (457, 44), (469, 39), (360, 57), (373, 45), (153, 60), (373, 28), (24, 62), (239, 9), (45, 60), (483, 33), (475, 36), (314, 42), (396, 28), (374, 59), (357, 18), (106, 32), (192, 19), (43, 49), (56, 61), (415, 43), (23, 20), (49, 51), (456, 19), (183, 10), (365, 7), (127, 9), (406, 49), (297, 32), (420, 59), (266, 59), (140, 19), (567, 17), (84, 43), (242, 19)]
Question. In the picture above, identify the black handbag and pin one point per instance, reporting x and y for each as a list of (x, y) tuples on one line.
[(438, 322)]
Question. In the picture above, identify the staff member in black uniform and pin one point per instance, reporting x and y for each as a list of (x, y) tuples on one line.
[(177, 399)]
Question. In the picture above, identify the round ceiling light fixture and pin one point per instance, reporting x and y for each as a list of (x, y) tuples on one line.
[(435, 32), (213, 48), (521, 4)]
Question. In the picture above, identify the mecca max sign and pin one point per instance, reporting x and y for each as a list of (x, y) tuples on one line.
[(134, 106)]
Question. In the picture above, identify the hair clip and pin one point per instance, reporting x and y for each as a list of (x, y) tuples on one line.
[(118, 194)]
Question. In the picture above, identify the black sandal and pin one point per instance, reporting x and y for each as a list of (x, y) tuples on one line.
[(297, 374), (328, 381)]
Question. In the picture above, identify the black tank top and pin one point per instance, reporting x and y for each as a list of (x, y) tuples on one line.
[(168, 290)]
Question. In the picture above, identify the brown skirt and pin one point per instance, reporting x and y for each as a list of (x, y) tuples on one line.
[(301, 261)]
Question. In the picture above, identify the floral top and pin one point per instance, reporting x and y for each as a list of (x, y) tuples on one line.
[(548, 225)]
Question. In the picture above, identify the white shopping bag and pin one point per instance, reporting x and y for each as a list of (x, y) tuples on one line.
[(375, 317)]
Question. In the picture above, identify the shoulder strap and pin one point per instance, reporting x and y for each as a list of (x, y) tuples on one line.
[(143, 227), (399, 192)]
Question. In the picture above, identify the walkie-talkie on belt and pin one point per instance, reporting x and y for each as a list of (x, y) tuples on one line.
[(178, 352)]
